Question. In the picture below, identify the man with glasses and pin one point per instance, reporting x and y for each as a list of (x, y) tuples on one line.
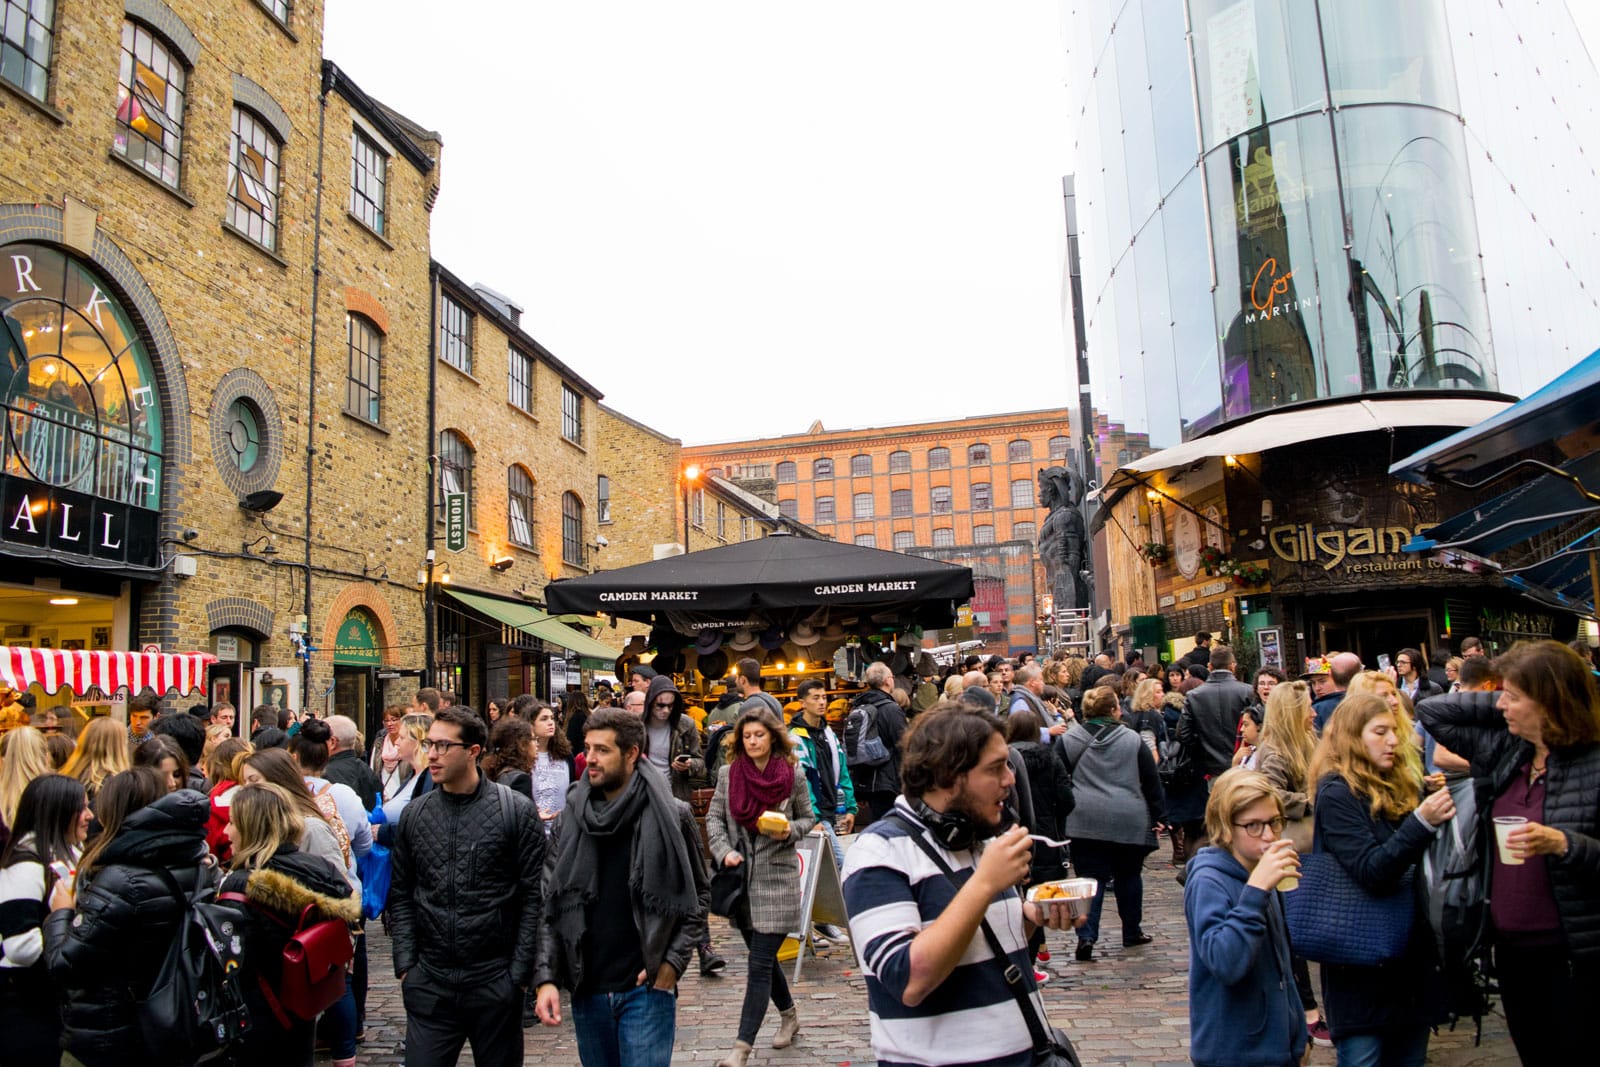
[(633, 702), (465, 904)]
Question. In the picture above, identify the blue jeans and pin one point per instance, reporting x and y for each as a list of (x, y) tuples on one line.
[(1397, 1048), (631, 1029), (832, 835)]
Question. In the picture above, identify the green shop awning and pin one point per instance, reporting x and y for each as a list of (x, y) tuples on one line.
[(530, 620)]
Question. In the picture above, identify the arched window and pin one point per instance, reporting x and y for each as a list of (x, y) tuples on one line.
[(1023, 531), (822, 468), (1059, 447), (1019, 452), (944, 537), (253, 179), (363, 391), (786, 472), (861, 466), (904, 540), (150, 98), (982, 496), (572, 529), (866, 540), (900, 503), (455, 470), (519, 506), (824, 509), (789, 509), (861, 506), (940, 497), (899, 462), (938, 459), (977, 455), (983, 535)]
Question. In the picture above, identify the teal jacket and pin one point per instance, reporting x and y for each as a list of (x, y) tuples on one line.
[(829, 802)]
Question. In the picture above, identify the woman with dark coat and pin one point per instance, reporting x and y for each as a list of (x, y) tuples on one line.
[(277, 882), (760, 778), (671, 739), (1368, 779), (109, 929), (1051, 789), (1535, 755)]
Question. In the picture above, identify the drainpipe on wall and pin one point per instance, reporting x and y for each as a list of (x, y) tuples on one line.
[(328, 74), (429, 604)]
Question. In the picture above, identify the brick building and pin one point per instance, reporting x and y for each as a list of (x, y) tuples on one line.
[(173, 356), (951, 489)]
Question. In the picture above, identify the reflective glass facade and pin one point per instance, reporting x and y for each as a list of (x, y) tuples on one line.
[(1284, 200)]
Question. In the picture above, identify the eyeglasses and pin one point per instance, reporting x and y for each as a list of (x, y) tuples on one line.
[(1258, 828), (442, 747)]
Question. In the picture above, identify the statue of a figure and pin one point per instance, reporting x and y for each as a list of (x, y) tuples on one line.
[(1063, 539)]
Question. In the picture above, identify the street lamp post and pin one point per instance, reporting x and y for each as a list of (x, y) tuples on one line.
[(691, 475)]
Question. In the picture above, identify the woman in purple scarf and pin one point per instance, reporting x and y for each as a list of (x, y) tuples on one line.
[(761, 808)]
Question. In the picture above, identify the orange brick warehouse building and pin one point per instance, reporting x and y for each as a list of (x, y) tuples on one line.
[(964, 490)]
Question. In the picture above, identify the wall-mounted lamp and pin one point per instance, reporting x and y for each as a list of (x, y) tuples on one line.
[(503, 564), (261, 501), (270, 550), (1232, 461)]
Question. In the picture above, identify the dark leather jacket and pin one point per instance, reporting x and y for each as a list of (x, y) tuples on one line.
[(662, 938), (350, 769), (466, 897), (1210, 720), (105, 954), (1470, 725)]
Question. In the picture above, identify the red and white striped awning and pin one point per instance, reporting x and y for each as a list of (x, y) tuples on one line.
[(80, 671)]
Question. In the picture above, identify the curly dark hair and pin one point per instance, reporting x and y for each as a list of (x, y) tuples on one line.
[(510, 747), (941, 745)]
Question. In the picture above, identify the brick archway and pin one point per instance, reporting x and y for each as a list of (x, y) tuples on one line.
[(370, 598)]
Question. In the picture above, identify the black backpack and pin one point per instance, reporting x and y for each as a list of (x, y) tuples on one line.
[(195, 1010), (862, 745)]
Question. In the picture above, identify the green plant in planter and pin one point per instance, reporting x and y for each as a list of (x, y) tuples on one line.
[(1155, 552)]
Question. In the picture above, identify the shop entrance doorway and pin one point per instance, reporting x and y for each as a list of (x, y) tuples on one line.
[(1370, 636)]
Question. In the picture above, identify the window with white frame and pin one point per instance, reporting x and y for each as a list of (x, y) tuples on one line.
[(571, 414), (938, 459), (860, 466), (455, 333), (602, 499), (1060, 447), (369, 168), (519, 506), (861, 506), (866, 540), (1019, 452), (150, 103), (253, 179), (519, 379)]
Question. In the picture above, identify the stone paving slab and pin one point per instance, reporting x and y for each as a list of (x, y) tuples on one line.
[(1125, 1008)]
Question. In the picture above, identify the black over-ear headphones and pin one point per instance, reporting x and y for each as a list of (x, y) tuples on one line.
[(954, 830)]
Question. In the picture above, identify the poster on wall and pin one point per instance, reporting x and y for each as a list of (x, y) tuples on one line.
[(1269, 640), (278, 687)]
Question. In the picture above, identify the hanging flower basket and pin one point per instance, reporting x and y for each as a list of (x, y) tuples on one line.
[(1214, 561), (1155, 553), (1246, 574)]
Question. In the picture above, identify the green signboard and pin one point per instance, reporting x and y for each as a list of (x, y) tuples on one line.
[(358, 640), (455, 521)]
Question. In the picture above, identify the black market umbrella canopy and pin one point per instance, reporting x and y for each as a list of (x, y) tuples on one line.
[(780, 579)]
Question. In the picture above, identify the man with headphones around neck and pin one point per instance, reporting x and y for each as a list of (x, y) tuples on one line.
[(919, 929)]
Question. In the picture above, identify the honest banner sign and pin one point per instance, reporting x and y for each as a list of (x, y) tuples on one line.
[(455, 521)]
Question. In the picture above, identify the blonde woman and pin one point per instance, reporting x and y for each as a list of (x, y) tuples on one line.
[(1145, 717), (411, 749), (1380, 684), (279, 880), (102, 751), (23, 757), (1371, 817)]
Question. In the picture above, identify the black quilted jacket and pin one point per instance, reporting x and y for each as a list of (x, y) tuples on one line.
[(1470, 725), (465, 899)]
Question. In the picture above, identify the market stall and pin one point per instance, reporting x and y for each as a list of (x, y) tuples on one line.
[(106, 672)]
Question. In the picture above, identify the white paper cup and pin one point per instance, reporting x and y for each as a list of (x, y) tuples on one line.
[(1503, 825)]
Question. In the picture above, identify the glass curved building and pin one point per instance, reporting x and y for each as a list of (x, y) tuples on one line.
[(1289, 201)]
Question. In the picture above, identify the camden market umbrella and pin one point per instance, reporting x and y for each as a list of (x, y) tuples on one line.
[(778, 580)]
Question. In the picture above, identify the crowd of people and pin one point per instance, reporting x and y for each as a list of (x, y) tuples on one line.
[(544, 855)]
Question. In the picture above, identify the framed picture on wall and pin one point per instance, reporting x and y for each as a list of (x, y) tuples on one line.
[(73, 644), (278, 687), (100, 638), (45, 638)]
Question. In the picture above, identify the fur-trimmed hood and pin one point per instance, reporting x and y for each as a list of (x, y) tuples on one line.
[(287, 887)]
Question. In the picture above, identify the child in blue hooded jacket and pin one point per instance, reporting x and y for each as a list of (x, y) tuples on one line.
[(1244, 1007)]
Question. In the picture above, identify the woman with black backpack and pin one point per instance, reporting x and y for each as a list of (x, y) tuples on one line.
[(51, 820), (110, 928), (278, 882)]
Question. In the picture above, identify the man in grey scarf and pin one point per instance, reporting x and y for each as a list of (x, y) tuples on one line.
[(623, 846)]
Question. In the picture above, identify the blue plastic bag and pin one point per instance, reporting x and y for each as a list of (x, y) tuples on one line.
[(374, 869)]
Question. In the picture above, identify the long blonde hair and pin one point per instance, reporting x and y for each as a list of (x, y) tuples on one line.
[(1393, 794), (26, 757), (1381, 685), (102, 751), (266, 820), (1286, 732), (1144, 695)]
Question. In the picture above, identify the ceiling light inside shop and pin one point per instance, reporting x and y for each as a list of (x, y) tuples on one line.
[(63, 601)]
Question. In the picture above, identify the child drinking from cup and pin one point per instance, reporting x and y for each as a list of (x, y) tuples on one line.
[(1238, 939)]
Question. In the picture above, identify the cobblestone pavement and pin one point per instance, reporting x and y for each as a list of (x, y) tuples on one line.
[(1125, 1008)]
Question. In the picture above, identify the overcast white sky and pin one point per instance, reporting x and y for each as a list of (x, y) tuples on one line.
[(734, 218)]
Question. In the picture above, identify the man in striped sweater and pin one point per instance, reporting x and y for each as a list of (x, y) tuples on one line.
[(935, 991)]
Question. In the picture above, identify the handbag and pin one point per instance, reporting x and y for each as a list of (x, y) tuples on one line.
[(1051, 1047), (730, 890), (375, 869), (1332, 919)]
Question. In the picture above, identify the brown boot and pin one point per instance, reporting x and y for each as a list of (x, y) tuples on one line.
[(738, 1057), (788, 1027), (1179, 856)]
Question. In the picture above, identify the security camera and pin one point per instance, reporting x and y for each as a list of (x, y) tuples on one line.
[(600, 541)]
